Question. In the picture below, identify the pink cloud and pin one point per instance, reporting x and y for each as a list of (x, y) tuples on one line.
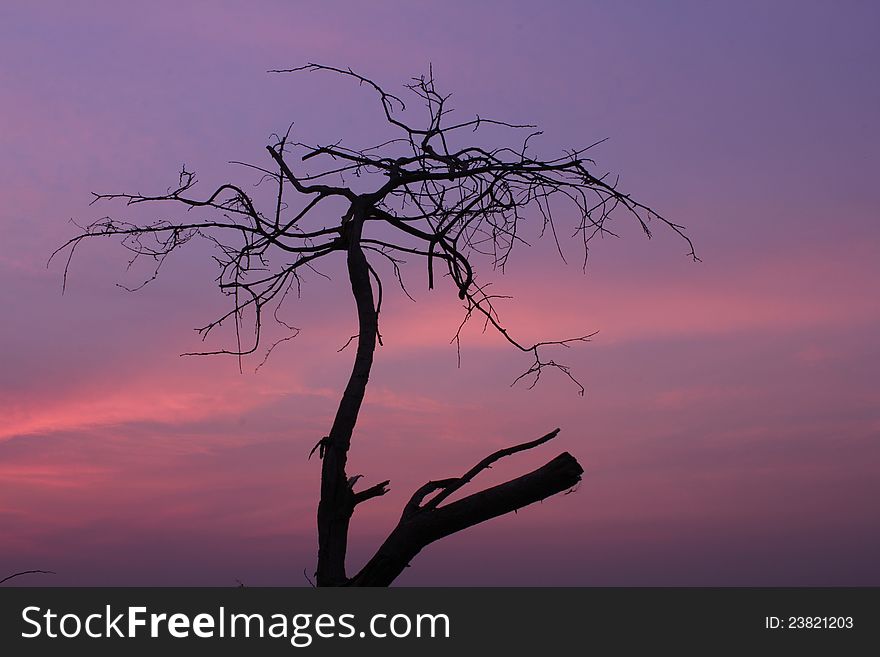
[(783, 294)]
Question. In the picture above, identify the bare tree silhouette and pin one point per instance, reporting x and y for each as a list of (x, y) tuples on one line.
[(430, 192)]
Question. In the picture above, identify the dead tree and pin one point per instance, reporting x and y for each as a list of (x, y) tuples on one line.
[(431, 192)]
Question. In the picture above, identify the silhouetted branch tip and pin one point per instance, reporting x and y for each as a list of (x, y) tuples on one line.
[(450, 486), (320, 446), (373, 491), (27, 572)]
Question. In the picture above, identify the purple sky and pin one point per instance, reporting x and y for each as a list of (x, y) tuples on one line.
[(731, 427)]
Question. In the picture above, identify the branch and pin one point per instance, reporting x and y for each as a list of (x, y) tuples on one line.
[(485, 464), (420, 525), (415, 502), (27, 572), (483, 304), (556, 476), (373, 491)]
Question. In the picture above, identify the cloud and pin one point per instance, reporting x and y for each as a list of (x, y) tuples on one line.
[(782, 293)]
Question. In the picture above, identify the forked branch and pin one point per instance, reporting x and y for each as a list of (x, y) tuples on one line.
[(422, 522)]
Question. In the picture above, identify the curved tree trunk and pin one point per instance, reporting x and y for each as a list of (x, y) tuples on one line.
[(337, 498)]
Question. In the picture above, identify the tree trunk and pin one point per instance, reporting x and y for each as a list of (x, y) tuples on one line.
[(337, 498)]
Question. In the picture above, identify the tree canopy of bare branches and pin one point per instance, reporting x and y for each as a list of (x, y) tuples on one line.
[(433, 192)]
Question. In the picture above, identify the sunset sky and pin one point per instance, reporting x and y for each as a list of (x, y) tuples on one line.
[(730, 430)]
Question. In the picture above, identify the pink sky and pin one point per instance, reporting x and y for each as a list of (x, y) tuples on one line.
[(730, 431)]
